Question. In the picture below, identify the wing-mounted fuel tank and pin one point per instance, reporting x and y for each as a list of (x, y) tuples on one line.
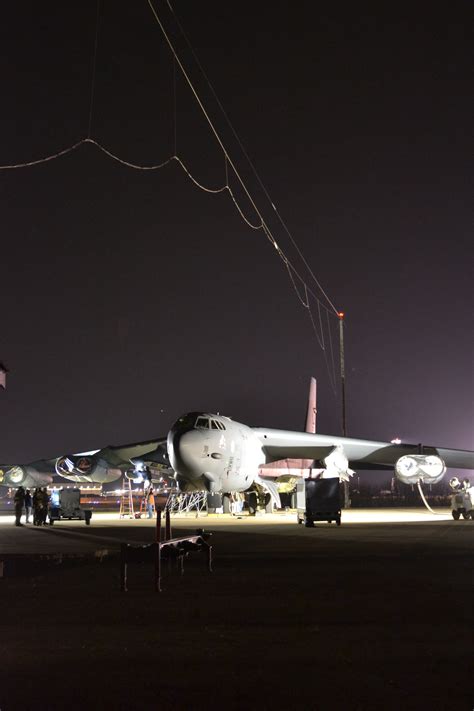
[(86, 469), (414, 468)]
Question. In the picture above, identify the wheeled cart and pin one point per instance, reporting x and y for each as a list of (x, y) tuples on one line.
[(462, 504), (69, 507), (318, 500)]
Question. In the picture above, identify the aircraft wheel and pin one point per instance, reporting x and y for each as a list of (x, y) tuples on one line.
[(466, 515), (455, 515), (338, 520), (308, 522)]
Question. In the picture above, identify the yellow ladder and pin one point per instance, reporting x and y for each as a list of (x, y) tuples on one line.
[(126, 502)]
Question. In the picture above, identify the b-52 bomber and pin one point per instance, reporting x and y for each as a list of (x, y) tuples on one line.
[(210, 452)]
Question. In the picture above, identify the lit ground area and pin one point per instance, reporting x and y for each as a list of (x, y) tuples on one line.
[(374, 614)]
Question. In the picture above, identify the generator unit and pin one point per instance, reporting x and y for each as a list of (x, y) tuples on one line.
[(318, 500), (68, 506)]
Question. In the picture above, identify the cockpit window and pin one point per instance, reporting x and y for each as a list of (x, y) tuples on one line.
[(214, 425), (202, 423), (221, 426)]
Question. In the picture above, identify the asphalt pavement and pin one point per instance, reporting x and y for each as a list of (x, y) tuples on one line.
[(376, 613)]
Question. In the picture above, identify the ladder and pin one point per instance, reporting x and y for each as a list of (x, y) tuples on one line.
[(126, 502)]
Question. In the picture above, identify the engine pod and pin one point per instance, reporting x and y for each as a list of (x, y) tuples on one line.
[(413, 468)]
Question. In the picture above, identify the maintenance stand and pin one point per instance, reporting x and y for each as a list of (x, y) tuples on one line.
[(168, 549)]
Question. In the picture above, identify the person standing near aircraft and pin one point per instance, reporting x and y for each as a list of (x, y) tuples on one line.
[(35, 507), (28, 504), (44, 505), (150, 502), (39, 512), (19, 501)]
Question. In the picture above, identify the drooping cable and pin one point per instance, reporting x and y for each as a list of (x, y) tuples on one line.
[(242, 147), (53, 156), (292, 271), (436, 513), (225, 152), (135, 166)]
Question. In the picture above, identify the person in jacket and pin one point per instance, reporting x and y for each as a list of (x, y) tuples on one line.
[(19, 502), (37, 507), (28, 505), (150, 502)]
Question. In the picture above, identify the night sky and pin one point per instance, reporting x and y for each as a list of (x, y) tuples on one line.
[(130, 297)]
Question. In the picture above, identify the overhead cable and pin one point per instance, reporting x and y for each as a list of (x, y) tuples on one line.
[(264, 226), (242, 147)]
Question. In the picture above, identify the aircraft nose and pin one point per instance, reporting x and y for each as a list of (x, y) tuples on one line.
[(184, 449)]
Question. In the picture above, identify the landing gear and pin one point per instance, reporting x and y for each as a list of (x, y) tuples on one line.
[(253, 502)]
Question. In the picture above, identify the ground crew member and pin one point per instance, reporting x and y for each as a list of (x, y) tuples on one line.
[(28, 503), (44, 505), (19, 501), (37, 506), (150, 504)]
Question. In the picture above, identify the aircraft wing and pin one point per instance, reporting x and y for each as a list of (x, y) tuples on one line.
[(285, 444), (99, 465), (38, 473)]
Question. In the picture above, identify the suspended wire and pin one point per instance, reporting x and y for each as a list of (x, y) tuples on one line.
[(302, 301), (223, 148), (196, 182), (53, 156), (321, 323), (292, 271), (135, 166), (242, 147), (93, 70), (310, 313)]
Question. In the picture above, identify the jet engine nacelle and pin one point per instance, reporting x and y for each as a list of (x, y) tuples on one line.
[(413, 468), (138, 476), (23, 476), (86, 469)]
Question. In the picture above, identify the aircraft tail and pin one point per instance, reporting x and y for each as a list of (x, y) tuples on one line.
[(311, 411)]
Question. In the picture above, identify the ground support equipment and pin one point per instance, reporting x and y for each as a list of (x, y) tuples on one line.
[(318, 500), (69, 507), (127, 509), (167, 549)]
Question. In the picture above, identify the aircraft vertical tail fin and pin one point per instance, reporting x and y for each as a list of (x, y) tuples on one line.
[(311, 412)]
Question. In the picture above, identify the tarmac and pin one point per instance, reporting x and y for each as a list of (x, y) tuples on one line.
[(376, 613)]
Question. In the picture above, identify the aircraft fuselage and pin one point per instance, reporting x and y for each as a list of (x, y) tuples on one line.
[(214, 453)]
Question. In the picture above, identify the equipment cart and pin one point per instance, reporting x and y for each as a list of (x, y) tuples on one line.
[(318, 500), (462, 504), (68, 505)]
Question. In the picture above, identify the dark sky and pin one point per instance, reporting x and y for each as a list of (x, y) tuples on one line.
[(131, 297)]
